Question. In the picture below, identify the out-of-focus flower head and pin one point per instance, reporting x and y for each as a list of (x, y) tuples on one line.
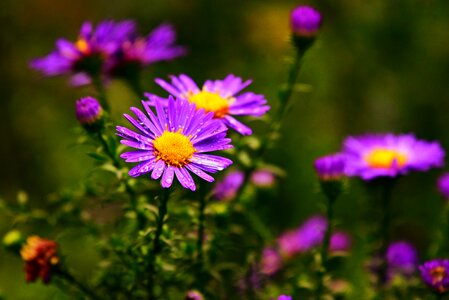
[(89, 54), (194, 295), (305, 21), (387, 155), (40, 256), (221, 97), (88, 112), (271, 261), (330, 167), (340, 242), (227, 188), (443, 185), (435, 273), (174, 142), (263, 178), (285, 297), (402, 258)]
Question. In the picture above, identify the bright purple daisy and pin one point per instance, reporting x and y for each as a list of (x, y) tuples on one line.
[(435, 273), (89, 53), (227, 188), (271, 261), (443, 185), (402, 258), (340, 242), (173, 142), (222, 97), (330, 167), (305, 21), (159, 45), (387, 155)]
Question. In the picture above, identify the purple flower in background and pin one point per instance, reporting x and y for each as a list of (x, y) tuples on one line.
[(285, 297), (222, 97), (305, 21), (263, 178), (159, 45), (88, 111), (227, 188), (88, 54), (340, 242), (194, 295), (330, 167), (435, 273), (443, 185), (173, 142), (402, 258), (387, 155), (271, 261)]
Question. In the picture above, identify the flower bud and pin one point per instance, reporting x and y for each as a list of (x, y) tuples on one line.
[(89, 113), (305, 22)]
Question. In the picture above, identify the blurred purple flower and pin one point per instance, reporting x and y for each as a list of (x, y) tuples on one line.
[(220, 97), (330, 167), (443, 185), (194, 295), (263, 178), (305, 21), (227, 188), (271, 261), (435, 273), (340, 242), (173, 142), (387, 155), (285, 297), (402, 258)]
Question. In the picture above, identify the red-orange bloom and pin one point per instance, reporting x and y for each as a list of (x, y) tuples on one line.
[(40, 255)]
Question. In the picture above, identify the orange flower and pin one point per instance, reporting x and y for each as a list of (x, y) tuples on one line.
[(40, 255)]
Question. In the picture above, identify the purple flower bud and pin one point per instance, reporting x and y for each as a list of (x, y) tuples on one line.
[(443, 185), (305, 21), (402, 258), (330, 167), (435, 273), (263, 178), (88, 111), (194, 295), (340, 242), (271, 261)]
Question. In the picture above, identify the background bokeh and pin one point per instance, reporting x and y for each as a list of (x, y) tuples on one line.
[(377, 66)]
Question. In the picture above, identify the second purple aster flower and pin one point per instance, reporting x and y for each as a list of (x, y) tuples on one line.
[(174, 142), (222, 97)]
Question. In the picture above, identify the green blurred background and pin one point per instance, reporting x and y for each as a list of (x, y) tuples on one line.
[(377, 66)]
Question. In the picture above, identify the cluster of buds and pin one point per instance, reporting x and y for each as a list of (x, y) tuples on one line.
[(40, 256)]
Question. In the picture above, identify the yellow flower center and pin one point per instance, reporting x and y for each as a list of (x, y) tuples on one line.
[(174, 148), (386, 158), (437, 274), (210, 102), (82, 46)]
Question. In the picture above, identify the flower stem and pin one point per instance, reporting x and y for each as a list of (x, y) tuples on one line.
[(385, 229), (325, 246), (200, 238), (99, 86), (157, 246), (79, 285)]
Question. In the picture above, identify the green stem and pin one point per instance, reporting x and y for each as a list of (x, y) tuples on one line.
[(325, 247), (79, 285), (200, 240), (157, 246), (442, 238), (99, 86)]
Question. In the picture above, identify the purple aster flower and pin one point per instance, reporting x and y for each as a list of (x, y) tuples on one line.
[(305, 21), (222, 97), (159, 45), (435, 273), (271, 261), (263, 178), (88, 111), (89, 53), (173, 142), (227, 188), (330, 167), (340, 242), (402, 258), (387, 155), (194, 295), (443, 185)]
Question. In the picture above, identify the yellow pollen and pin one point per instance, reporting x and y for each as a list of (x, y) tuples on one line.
[(437, 274), (82, 46), (210, 102), (174, 148), (386, 158)]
